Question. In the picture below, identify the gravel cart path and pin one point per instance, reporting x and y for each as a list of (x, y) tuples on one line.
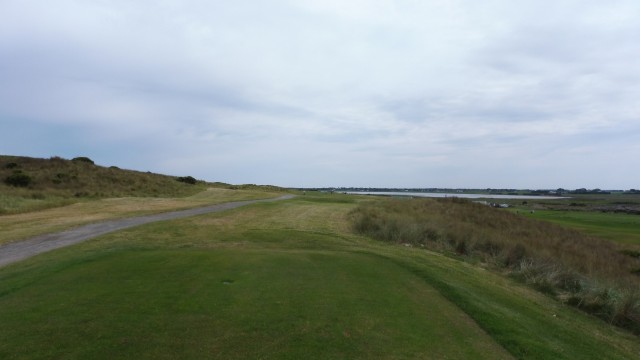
[(13, 252)]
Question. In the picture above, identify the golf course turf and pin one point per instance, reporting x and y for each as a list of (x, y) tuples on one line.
[(281, 280)]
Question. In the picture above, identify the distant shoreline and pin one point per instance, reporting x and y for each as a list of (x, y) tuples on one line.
[(458, 195)]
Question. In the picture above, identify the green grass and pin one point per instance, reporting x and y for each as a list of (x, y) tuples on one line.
[(590, 273), (528, 325), (283, 280), (56, 182), (12, 203), (236, 304), (27, 224), (621, 228)]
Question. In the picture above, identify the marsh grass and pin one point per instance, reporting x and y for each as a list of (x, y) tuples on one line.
[(592, 272)]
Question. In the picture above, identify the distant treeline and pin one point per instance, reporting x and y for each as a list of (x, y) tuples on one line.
[(558, 191)]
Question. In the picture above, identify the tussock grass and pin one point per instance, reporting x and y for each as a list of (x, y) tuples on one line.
[(587, 272)]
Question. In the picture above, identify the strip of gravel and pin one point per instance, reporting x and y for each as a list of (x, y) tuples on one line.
[(16, 251)]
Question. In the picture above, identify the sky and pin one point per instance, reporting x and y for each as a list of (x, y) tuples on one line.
[(321, 93)]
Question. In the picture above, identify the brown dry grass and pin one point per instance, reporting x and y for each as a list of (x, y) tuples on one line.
[(25, 225), (65, 178), (588, 272)]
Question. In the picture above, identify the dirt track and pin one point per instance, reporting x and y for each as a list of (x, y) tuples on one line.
[(13, 252)]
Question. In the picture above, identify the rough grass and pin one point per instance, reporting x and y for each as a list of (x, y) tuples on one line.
[(24, 225), (280, 280), (562, 262), (57, 181)]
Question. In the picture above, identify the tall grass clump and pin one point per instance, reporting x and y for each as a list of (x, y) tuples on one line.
[(587, 272)]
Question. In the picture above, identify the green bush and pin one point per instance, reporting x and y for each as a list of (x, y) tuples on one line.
[(187, 179), (18, 179), (11, 165), (632, 253), (83, 159)]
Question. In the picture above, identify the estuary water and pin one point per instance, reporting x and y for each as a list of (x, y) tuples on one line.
[(459, 195)]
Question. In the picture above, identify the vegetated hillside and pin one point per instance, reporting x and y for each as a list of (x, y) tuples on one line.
[(81, 177), (593, 274), (56, 181)]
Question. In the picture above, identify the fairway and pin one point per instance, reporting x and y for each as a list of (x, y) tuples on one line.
[(233, 304), (285, 280), (622, 228)]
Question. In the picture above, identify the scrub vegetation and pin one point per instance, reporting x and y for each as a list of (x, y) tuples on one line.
[(30, 184), (34, 184), (593, 274)]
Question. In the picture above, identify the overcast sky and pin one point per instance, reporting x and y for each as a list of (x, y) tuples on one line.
[(305, 93)]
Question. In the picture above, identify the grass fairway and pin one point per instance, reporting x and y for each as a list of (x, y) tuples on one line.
[(285, 280), (621, 228), (236, 304)]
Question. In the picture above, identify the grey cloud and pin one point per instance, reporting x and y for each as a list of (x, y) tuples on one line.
[(328, 93)]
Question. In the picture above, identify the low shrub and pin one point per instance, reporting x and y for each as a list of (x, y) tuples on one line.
[(18, 179), (187, 180), (626, 309), (83, 159), (632, 253), (514, 254), (11, 165), (57, 161)]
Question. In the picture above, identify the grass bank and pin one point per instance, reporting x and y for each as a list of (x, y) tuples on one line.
[(53, 182), (280, 281)]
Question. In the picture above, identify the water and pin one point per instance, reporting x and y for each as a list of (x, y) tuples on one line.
[(459, 195)]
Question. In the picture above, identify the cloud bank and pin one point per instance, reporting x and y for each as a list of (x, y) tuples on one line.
[(539, 94)]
